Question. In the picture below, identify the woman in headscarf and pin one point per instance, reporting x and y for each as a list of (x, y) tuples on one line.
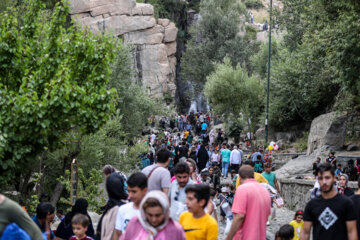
[(202, 157), (193, 170), (153, 221), (64, 230), (343, 188), (117, 197)]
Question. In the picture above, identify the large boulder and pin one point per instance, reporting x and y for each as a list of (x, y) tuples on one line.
[(327, 131), (154, 41)]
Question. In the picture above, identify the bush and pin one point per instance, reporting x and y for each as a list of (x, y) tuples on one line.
[(253, 4), (301, 144)]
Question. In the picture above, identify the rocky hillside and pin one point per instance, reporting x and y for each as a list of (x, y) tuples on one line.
[(154, 39)]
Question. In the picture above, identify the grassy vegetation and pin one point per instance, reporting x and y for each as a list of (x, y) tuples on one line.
[(301, 144)]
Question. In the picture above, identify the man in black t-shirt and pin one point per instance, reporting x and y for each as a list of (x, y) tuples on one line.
[(356, 200), (331, 215)]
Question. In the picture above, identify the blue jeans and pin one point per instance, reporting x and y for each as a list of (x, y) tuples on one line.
[(224, 170)]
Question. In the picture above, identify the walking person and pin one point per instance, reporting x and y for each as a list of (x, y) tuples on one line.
[(235, 159), (80, 224), (202, 157), (197, 224), (137, 188), (251, 208), (356, 200), (117, 197), (211, 137), (158, 175), (297, 224), (331, 215), (225, 159), (343, 188), (177, 193), (153, 221), (11, 212), (270, 177), (65, 230)]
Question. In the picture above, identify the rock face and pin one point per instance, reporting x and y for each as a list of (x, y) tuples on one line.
[(327, 130), (154, 40)]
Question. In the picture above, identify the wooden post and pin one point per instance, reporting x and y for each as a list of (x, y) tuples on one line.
[(74, 181)]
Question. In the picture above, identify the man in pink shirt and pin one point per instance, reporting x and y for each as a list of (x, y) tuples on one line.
[(251, 208)]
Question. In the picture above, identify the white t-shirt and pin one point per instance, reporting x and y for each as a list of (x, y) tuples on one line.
[(125, 214)]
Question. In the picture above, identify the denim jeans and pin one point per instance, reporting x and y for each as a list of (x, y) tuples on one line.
[(224, 170)]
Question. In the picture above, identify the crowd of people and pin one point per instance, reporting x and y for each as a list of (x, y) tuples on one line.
[(188, 188)]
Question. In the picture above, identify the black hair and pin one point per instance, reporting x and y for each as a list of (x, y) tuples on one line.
[(181, 167), (248, 162), (163, 155), (43, 209), (201, 191), (233, 171), (326, 167), (212, 192), (258, 157), (137, 179), (81, 219), (339, 165), (60, 211), (298, 213), (286, 232)]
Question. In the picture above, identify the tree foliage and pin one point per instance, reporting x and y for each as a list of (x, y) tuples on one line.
[(233, 93), (215, 36), (318, 67), (52, 79)]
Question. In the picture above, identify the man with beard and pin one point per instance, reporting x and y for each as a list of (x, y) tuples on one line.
[(331, 215), (177, 193)]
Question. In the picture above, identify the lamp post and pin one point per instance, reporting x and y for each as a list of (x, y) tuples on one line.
[(268, 82)]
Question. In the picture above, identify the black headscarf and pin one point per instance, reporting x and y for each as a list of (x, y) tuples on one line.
[(202, 157), (117, 196), (64, 229)]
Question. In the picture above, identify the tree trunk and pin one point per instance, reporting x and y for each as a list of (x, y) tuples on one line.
[(66, 165)]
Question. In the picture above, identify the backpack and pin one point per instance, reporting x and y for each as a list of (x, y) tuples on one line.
[(258, 167)]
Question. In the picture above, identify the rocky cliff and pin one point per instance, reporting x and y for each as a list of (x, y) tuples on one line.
[(154, 40)]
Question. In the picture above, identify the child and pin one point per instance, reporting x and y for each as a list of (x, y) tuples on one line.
[(286, 232), (297, 224), (196, 222), (80, 224), (234, 176), (338, 171), (211, 206)]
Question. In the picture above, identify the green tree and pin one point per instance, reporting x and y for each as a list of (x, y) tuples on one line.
[(52, 79), (317, 69), (234, 94), (215, 36)]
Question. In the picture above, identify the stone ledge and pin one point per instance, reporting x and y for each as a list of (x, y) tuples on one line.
[(297, 181)]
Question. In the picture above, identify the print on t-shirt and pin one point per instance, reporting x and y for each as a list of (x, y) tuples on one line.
[(327, 218)]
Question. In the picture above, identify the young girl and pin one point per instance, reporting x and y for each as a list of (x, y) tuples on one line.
[(297, 224)]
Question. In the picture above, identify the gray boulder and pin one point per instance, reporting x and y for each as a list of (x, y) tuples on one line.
[(327, 130), (352, 147)]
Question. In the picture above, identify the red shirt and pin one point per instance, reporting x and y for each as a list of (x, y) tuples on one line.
[(84, 238), (252, 200)]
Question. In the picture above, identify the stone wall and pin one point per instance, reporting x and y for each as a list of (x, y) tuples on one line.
[(154, 40), (296, 192)]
